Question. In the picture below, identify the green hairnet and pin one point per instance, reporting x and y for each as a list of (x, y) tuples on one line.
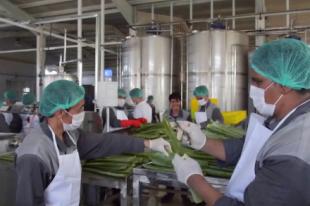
[(60, 95), (201, 91), (121, 93), (136, 93), (28, 99), (285, 61), (10, 95)]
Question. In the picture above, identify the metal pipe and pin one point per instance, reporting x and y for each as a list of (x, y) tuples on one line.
[(70, 61), (65, 46), (112, 43), (182, 69), (38, 65), (102, 39), (79, 48), (120, 66), (171, 47), (48, 49), (187, 92), (241, 16), (191, 12), (108, 118), (117, 68), (39, 31), (233, 14), (65, 18), (211, 9), (287, 3), (152, 13), (97, 57)]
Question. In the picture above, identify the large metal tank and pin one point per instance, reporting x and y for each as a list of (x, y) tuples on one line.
[(156, 72), (218, 59), (146, 64), (47, 79), (131, 64)]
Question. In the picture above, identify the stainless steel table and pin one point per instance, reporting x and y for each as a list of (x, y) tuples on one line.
[(142, 176), (109, 182)]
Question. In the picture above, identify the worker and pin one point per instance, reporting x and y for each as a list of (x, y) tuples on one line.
[(48, 160), (175, 111), (207, 111), (30, 118), (273, 165), (150, 100), (142, 109), (119, 114), (11, 115)]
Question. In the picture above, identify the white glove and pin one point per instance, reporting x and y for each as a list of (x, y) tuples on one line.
[(185, 167), (197, 137), (160, 145)]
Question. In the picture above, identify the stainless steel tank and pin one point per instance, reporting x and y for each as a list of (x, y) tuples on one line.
[(47, 79), (156, 72), (146, 65), (131, 64), (218, 59)]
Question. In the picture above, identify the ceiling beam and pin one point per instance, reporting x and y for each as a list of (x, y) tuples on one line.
[(85, 9), (12, 11), (126, 10), (111, 7), (40, 3)]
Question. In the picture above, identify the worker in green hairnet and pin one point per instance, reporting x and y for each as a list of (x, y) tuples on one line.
[(207, 111), (12, 113), (118, 114), (28, 99), (48, 160), (142, 108), (272, 162)]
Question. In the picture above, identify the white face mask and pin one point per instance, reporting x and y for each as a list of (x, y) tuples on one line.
[(77, 120), (202, 102), (121, 102), (258, 96)]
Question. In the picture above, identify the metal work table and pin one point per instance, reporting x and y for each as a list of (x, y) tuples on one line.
[(109, 182), (143, 176)]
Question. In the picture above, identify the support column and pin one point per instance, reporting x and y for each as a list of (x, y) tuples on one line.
[(40, 63)]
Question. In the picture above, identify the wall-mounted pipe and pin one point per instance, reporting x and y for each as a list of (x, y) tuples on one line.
[(233, 14), (211, 9), (102, 39), (48, 49), (65, 18), (79, 48), (171, 47)]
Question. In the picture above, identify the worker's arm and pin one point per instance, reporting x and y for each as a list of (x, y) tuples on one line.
[(217, 115), (94, 145), (281, 181), (228, 151), (33, 178), (225, 150)]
